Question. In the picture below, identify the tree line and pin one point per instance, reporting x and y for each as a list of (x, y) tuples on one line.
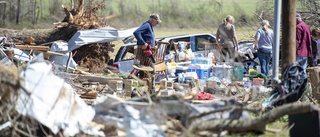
[(130, 13)]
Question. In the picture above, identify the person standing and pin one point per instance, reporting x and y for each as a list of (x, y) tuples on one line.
[(145, 35), (146, 41), (303, 42), (264, 43), (315, 33), (227, 32)]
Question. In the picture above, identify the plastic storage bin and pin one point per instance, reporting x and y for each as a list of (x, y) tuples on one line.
[(237, 73), (202, 70), (181, 69), (201, 60), (222, 71)]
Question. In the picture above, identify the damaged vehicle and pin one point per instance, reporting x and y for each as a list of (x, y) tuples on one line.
[(124, 58)]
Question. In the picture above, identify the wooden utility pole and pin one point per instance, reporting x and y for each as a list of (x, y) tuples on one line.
[(288, 48)]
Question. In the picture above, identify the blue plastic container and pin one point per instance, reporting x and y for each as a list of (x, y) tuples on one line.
[(203, 71), (201, 60), (181, 69)]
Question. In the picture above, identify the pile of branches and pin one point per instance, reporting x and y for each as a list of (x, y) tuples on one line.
[(83, 16)]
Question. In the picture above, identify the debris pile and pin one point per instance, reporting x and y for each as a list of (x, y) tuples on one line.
[(46, 96), (93, 56), (85, 17)]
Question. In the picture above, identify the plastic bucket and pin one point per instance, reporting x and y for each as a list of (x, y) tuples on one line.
[(237, 73)]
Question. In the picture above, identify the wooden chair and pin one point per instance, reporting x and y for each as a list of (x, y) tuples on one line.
[(142, 63)]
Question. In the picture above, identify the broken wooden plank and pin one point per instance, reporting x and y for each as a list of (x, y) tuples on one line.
[(53, 53), (90, 95), (100, 79), (36, 48)]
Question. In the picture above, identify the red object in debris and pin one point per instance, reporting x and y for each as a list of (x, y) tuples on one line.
[(205, 96), (148, 52)]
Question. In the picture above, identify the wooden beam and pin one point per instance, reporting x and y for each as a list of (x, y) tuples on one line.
[(35, 48)]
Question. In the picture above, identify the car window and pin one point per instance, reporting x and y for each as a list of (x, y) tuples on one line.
[(128, 54), (172, 47), (199, 46)]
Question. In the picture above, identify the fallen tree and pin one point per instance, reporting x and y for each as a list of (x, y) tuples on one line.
[(81, 16), (255, 124)]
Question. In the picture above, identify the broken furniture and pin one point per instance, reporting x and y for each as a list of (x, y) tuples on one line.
[(142, 63)]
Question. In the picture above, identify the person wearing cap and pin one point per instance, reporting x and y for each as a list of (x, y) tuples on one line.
[(264, 43), (146, 40), (303, 42), (145, 34), (227, 32)]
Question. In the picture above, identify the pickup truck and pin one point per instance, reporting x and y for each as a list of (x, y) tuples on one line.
[(124, 58)]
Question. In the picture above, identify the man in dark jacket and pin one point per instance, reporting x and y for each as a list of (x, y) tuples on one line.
[(145, 35), (146, 40)]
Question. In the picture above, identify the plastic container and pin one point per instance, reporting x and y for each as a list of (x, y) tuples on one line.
[(201, 60), (222, 71), (181, 69), (171, 70), (192, 68), (258, 81), (237, 73), (247, 84), (202, 70), (181, 78), (191, 75)]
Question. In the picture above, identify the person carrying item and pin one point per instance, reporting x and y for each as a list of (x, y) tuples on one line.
[(303, 42), (264, 43), (227, 32), (146, 41), (145, 35)]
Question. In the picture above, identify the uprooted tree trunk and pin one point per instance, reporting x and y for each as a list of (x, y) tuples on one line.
[(244, 125), (79, 17)]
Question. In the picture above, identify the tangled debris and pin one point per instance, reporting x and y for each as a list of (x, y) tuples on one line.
[(83, 16), (94, 56)]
